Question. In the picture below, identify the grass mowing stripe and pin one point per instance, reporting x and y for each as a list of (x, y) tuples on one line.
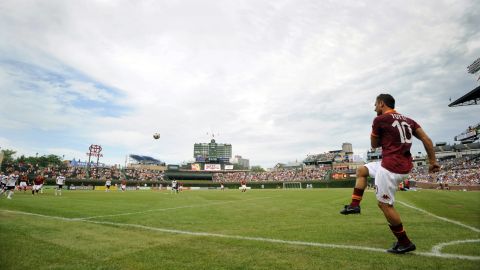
[(171, 208), (441, 218), (270, 240)]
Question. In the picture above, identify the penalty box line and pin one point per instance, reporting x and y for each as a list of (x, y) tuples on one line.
[(436, 252), (171, 208)]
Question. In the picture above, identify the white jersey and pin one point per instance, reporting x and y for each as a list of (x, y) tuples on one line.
[(12, 180), (108, 183), (60, 180), (3, 179), (174, 184)]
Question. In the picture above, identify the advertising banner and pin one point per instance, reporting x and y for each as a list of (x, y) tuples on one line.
[(195, 167), (213, 167), (228, 167)]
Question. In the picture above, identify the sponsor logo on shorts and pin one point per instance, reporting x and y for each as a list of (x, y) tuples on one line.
[(386, 197)]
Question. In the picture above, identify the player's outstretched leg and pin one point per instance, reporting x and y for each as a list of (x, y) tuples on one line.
[(403, 243), (360, 185)]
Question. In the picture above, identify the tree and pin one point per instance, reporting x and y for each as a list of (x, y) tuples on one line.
[(239, 167), (8, 155), (257, 168), (7, 158), (50, 160)]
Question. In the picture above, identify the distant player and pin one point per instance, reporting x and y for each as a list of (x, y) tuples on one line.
[(124, 185), (394, 133), (23, 182), (174, 186), (60, 182), (108, 184), (222, 187), (38, 183), (3, 183), (11, 183), (244, 185), (180, 186)]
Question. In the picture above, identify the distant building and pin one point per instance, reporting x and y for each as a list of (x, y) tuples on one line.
[(243, 162), (294, 165), (212, 152)]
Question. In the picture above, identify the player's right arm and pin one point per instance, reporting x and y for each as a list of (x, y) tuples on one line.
[(427, 143), (375, 134)]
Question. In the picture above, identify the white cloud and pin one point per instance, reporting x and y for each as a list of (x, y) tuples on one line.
[(277, 79)]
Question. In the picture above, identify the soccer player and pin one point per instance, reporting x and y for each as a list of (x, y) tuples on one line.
[(124, 185), (244, 185), (60, 183), (11, 183), (394, 133), (23, 182), (108, 183), (38, 183), (3, 183), (222, 187), (174, 186)]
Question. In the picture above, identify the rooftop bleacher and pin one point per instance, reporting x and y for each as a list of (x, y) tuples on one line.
[(146, 160)]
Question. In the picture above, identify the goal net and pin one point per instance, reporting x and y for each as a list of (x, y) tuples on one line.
[(292, 185)]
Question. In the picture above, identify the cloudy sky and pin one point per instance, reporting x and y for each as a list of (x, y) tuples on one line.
[(276, 79)]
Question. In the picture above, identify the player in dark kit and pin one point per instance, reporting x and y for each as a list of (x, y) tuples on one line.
[(394, 133)]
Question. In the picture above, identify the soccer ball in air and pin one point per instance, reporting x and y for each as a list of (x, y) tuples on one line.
[(156, 136)]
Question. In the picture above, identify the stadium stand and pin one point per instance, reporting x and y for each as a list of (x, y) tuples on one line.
[(455, 171), (311, 174), (146, 160)]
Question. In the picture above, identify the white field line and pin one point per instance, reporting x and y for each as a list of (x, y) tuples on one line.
[(436, 249), (260, 239), (172, 208), (441, 218)]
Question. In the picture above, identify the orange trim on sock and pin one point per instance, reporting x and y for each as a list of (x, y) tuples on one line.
[(356, 197)]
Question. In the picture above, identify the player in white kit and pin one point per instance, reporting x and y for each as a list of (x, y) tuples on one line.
[(3, 183), (11, 182), (108, 183), (60, 182)]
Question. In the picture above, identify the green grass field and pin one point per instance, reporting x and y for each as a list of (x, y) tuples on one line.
[(259, 229)]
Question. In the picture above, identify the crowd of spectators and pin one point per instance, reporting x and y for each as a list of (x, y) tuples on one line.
[(455, 171), (143, 174), (463, 171), (284, 175), (323, 157), (100, 173)]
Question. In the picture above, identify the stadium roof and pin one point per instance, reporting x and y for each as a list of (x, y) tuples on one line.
[(471, 98), (474, 67), (144, 159)]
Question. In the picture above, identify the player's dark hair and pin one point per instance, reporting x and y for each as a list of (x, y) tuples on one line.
[(387, 99)]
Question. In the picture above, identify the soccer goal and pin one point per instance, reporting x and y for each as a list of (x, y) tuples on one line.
[(292, 185)]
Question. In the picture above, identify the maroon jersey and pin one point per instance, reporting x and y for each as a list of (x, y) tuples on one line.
[(39, 180), (396, 134)]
